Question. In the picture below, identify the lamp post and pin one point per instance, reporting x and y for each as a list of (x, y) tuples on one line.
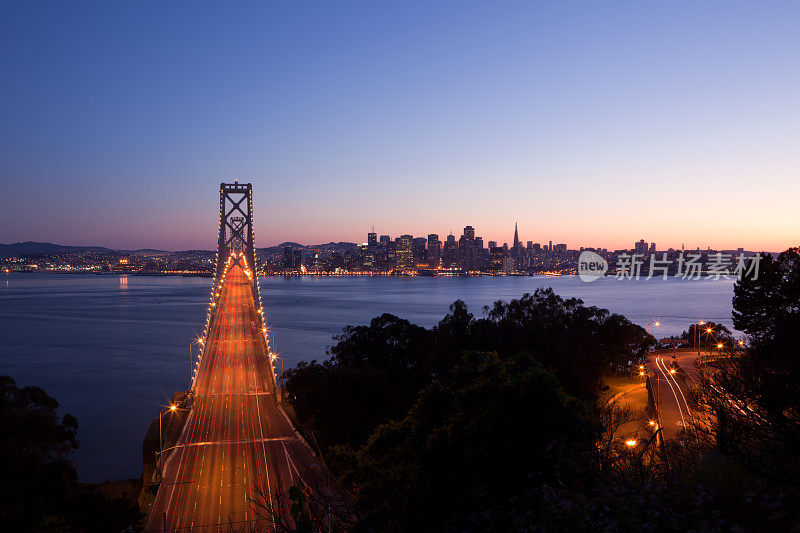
[(171, 409), (655, 324), (272, 358), (697, 330), (709, 331)]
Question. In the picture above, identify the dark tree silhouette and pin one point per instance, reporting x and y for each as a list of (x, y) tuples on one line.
[(38, 483)]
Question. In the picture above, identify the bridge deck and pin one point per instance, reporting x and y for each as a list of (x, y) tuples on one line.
[(237, 444)]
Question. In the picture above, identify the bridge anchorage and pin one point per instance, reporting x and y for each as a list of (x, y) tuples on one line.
[(227, 454)]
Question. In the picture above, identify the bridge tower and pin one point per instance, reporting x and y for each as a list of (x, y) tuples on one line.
[(236, 229), (235, 235)]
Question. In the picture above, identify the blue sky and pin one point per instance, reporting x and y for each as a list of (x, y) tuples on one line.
[(590, 123)]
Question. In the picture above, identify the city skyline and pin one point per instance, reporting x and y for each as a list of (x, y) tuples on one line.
[(523, 240), (587, 124)]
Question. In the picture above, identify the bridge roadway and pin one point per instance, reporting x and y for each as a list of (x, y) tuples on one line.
[(237, 444)]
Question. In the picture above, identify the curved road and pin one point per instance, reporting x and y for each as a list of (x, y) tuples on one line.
[(669, 389)]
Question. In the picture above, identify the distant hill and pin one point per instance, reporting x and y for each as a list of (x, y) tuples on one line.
[(18, 249), (329, 247)]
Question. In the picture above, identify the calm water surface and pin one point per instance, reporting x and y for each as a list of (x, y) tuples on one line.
[(113, 350)]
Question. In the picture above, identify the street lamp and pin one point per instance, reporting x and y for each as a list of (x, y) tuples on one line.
[(201, 342), (709, 331), (697, 330), (272, 358), (171, 409)]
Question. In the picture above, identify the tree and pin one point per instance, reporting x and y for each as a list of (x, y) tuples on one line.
[(377, 371), (373, 376), (708, 335), (467, 447), (753, 397)]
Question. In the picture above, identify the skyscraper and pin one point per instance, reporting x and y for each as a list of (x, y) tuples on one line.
[(466, 249), (418, 250), (288, 257), (496, 256), (372, 239), (405, 254), (450, 252), (434, 250), (516, 248)]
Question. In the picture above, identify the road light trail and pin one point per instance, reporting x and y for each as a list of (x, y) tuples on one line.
[(663, 373), (671, 375)]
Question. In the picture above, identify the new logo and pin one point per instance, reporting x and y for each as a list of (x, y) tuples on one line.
[(591, 266)]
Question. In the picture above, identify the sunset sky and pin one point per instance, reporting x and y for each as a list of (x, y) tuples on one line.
[(589, 123)]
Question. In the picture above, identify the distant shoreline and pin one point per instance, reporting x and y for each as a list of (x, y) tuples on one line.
[(341, 275)]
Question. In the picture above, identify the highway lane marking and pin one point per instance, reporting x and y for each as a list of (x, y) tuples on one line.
[(288, 464)]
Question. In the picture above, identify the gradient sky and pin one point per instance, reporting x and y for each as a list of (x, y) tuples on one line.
[(590, 123)]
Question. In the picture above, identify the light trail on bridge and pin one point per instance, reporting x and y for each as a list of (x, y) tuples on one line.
[(237, 444)]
